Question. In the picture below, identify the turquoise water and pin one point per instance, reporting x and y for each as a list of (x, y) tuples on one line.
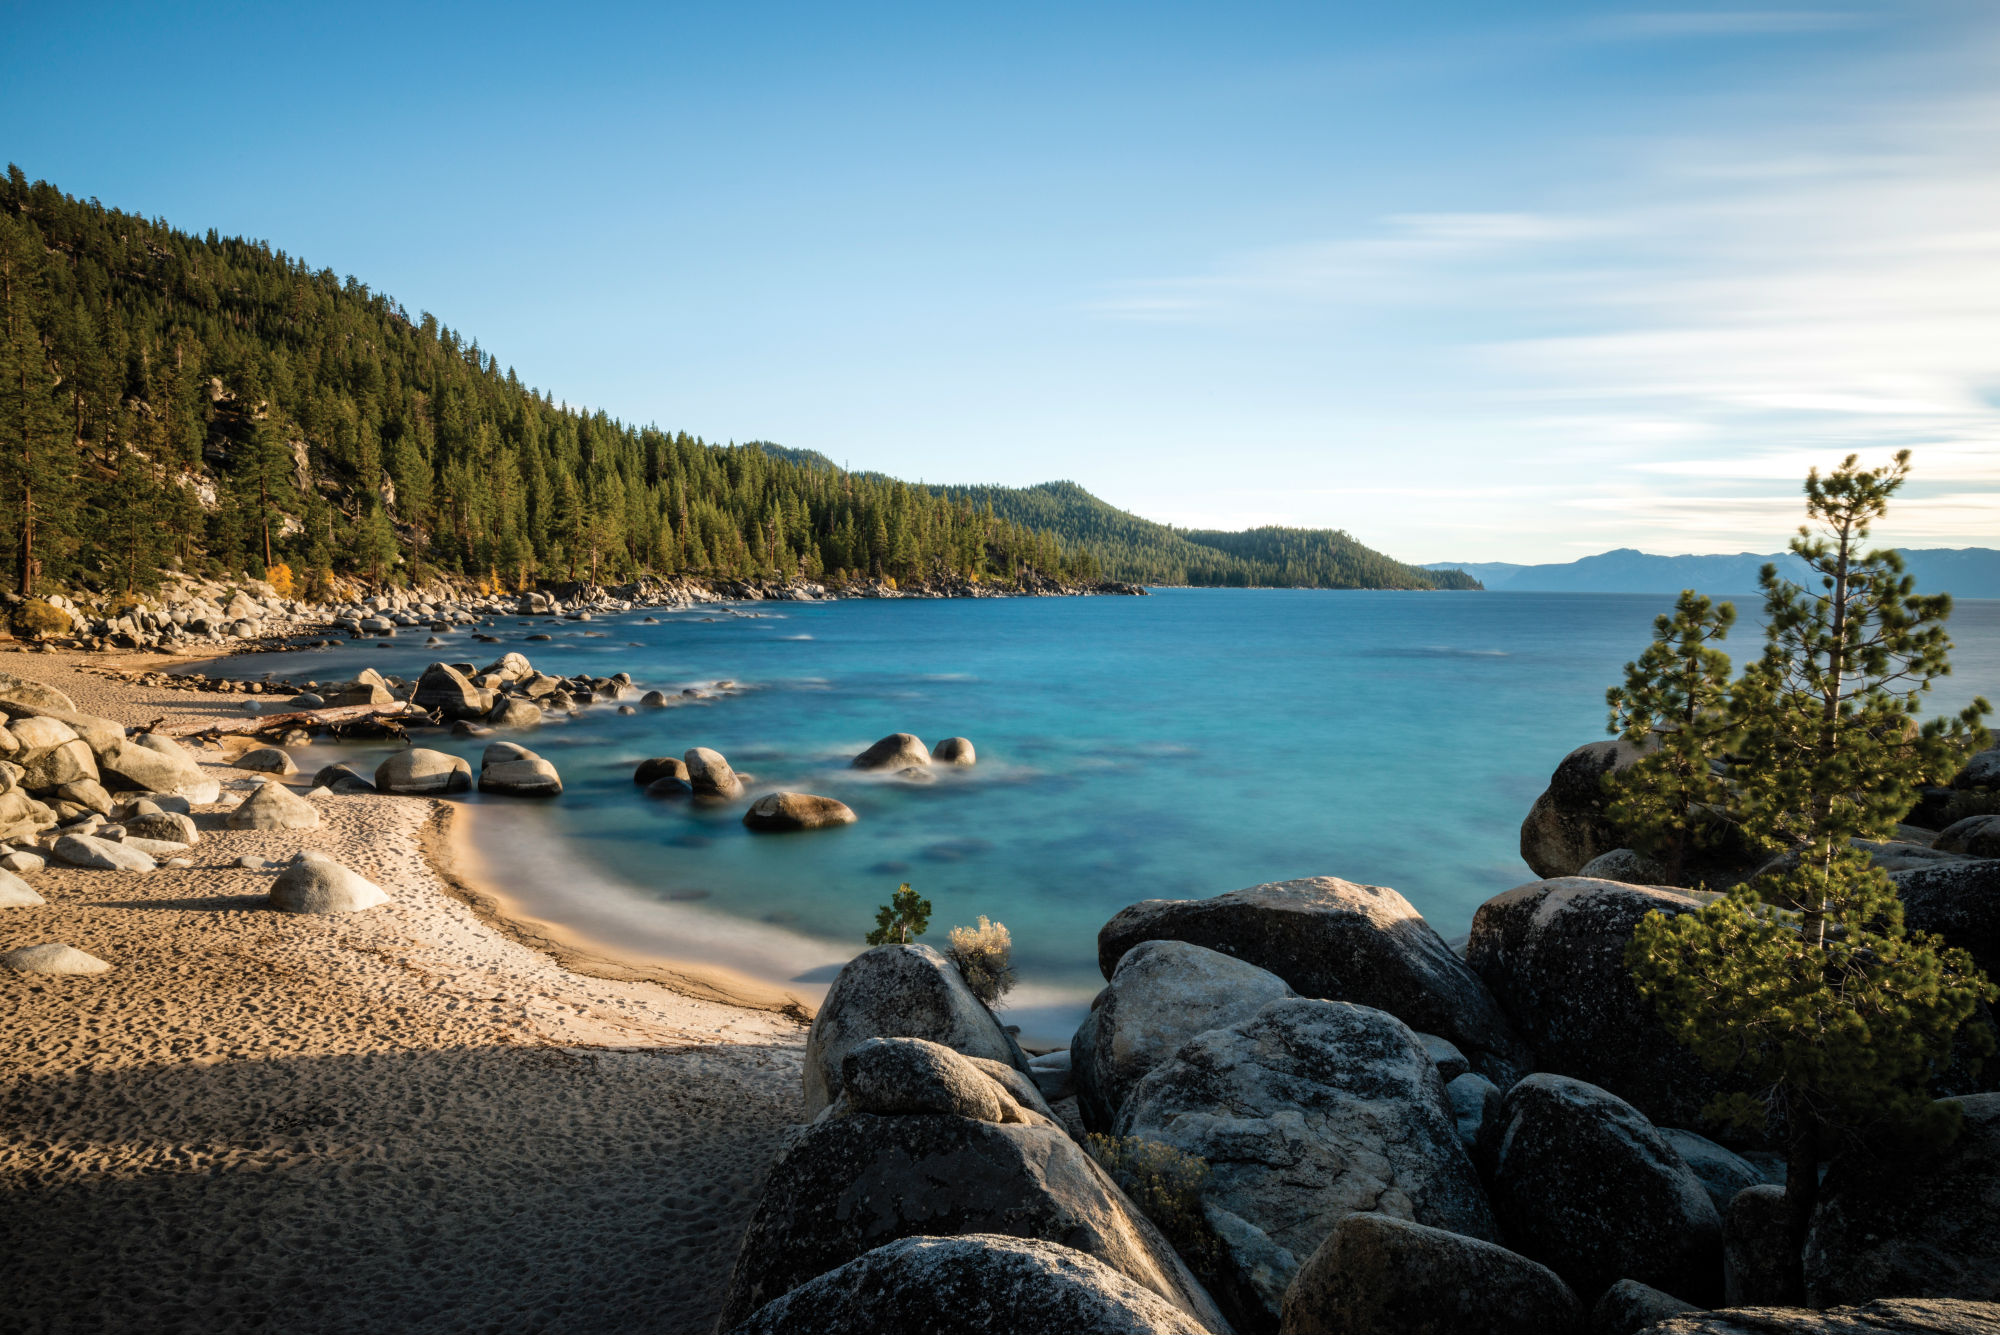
[(1179, 745)]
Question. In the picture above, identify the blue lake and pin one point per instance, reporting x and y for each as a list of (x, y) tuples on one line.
[(1183, 744)]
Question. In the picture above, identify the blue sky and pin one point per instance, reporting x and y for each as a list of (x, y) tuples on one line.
[(1472, 281)]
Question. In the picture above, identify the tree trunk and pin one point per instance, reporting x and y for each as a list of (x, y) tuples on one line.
[(1801, 1195)]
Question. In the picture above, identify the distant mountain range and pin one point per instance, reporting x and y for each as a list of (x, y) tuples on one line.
[(1963, 572)]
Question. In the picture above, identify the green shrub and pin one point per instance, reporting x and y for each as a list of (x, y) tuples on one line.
[(1166, 1184), (34, 619), (985, 955)]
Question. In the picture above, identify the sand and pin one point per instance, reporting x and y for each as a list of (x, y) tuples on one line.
[(408, 1119)]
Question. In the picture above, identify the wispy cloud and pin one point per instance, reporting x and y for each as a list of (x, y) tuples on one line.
[(1726, 22)]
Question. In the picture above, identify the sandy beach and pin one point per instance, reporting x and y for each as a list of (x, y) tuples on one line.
[(405, 1119)]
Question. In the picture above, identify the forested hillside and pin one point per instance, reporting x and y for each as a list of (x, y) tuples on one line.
[(1127, 547), (218, 403)]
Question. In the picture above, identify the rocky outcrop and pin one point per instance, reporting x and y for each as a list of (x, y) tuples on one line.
[(1553, 952), (1339, 941), (978, 1284), (1584, 1184), (1376, 1275), (1567, 827), (272, 806), (1162, 993), (1924, 1225), (422, 772), (314, 883), (899, 750), (777, 813), (1889, 1316), (897, 992), (847, 1185), (1306, 1113)]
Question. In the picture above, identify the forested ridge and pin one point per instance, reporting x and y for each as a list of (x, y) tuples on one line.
[(217, 405)]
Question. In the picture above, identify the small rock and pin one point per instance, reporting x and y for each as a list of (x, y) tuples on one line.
[(954, 751), (22, 863), (709, 774), (274, 807), (899, 750), (780, 812), (420, 771), (659, 767), (53, 957), (82, 850), (267, 760), (317, 884), (16, 893)]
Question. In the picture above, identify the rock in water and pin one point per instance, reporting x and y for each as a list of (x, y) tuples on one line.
[(83, 850), (1585, 1185), (899, 750), (660, 767), (267, 760), (1162, 994), (1889, 1316), (422, 771), (343, 778), (444, 689), (513, 770), (709, 774), (53, 957), (954, 751), (1308, 1112), (1553, 952), (318, 884), (897, 992), (1921, 1224), (16, 893), (977, 1284), (514, 712), (274, 807), (1375, 1275), (779, 812), (1339, 941), (847, 1185)]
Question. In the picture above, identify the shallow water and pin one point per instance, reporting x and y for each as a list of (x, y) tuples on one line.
[(1180, 745)]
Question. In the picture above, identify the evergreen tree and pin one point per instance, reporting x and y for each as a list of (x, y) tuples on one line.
[(37, 453), (1806, 988), (1675, 700), (904, 918)]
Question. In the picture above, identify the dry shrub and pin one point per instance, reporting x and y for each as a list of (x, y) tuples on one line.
[(33, 619), (985, 955), (1166, 1184)]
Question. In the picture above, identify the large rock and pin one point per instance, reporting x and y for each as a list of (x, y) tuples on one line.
[(1162, 994), (1921, 1225), (1308, 1112), (1889, 1316), (267, 760), (1340, 941), (897, 992), (83, 850), (782, 812), (515, 771), (1567, 827), (422, 771), (954, 751), (1584, 1184), (274, 807), (513, 712), (1375, 1275), (151, 763), (1629, 1306), (22, 691), (166, 827), (16, 893), (1959, 901), (314, 883), (1759, 1260), (894, 1076), (1975, 836), (53, 957), (444, 689), (1723, 1172), (709, 774), (847, 1185), (978, 1284), (899, 750), (1553, 952)]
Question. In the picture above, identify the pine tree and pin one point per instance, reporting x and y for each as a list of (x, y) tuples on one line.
[(1829, 1016), (904, 918), (1675, 699), (37, 452)]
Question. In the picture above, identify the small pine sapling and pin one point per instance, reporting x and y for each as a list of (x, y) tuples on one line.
[(902, 920)]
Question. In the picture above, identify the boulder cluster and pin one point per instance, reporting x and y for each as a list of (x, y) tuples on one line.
[(1395, 1136)]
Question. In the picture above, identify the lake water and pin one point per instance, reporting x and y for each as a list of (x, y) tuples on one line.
[(1179, 745)]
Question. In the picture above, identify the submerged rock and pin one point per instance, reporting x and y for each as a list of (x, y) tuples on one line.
[(1340, 941), (780, 812), (976, 1284)]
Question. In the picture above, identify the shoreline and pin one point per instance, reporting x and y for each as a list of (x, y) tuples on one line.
[(252, 1108)]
